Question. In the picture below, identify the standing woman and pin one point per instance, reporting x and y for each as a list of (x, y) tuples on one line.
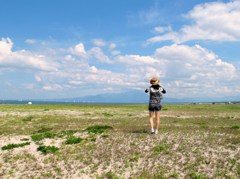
[(155, 106)]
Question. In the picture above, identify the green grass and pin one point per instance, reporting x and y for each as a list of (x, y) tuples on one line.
[(98, 129), (38, 137), (235, 127), (195, 175), (28, 118), (12, 146), (73, 140), (161, 148), (47, 149)]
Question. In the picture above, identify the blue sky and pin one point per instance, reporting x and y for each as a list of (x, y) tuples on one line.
[(72, 48)]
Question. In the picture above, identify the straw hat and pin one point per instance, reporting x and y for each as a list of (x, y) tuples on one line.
[(154, 81)]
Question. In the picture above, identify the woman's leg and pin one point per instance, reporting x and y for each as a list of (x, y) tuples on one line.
[(151, 114), (157, 116)]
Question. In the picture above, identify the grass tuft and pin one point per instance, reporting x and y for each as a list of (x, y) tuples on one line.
[(47, 149), (68, 133), (107, 114), (111, 175), (27, 119), (161, 148), (98, 129), (195, 175), (235, 127), (38, 137), (44, 129), (73, 140), (12, 146)]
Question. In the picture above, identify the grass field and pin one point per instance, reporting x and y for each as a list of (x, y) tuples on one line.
[(112, 141)]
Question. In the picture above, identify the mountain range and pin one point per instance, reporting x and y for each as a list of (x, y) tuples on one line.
[(141, 97)]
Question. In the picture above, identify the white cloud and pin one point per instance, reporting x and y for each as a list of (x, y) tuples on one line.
[(99, 42), (216, 21), (195, 68), (78, 50), (30, 86), (5, 47), (30, 41), (136, 60), (52, 87), (112, 46), (115, 52), (99, 55), (145, 17), (183, 70), (23, 59), (162, 29)]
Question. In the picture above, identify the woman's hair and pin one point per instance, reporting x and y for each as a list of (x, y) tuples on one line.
[(156, 86)]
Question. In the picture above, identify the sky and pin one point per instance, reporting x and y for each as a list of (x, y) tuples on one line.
[(71, 48)]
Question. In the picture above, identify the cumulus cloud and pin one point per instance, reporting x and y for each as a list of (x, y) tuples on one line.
[(216, 21), (136, 60), (23, 59), (195, 69), (182, 69), (78, 50), (5, 47), (97, 53)]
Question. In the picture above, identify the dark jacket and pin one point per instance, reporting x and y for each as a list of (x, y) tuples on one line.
[(156, 92)]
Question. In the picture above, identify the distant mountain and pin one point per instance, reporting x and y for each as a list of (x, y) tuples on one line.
[(141, 97), (130, 97), (135, 97)]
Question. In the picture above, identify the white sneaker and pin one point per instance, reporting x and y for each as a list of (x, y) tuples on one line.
[(152, 131), (156, 131)]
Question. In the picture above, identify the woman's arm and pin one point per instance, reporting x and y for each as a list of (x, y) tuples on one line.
[(162, 90)]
